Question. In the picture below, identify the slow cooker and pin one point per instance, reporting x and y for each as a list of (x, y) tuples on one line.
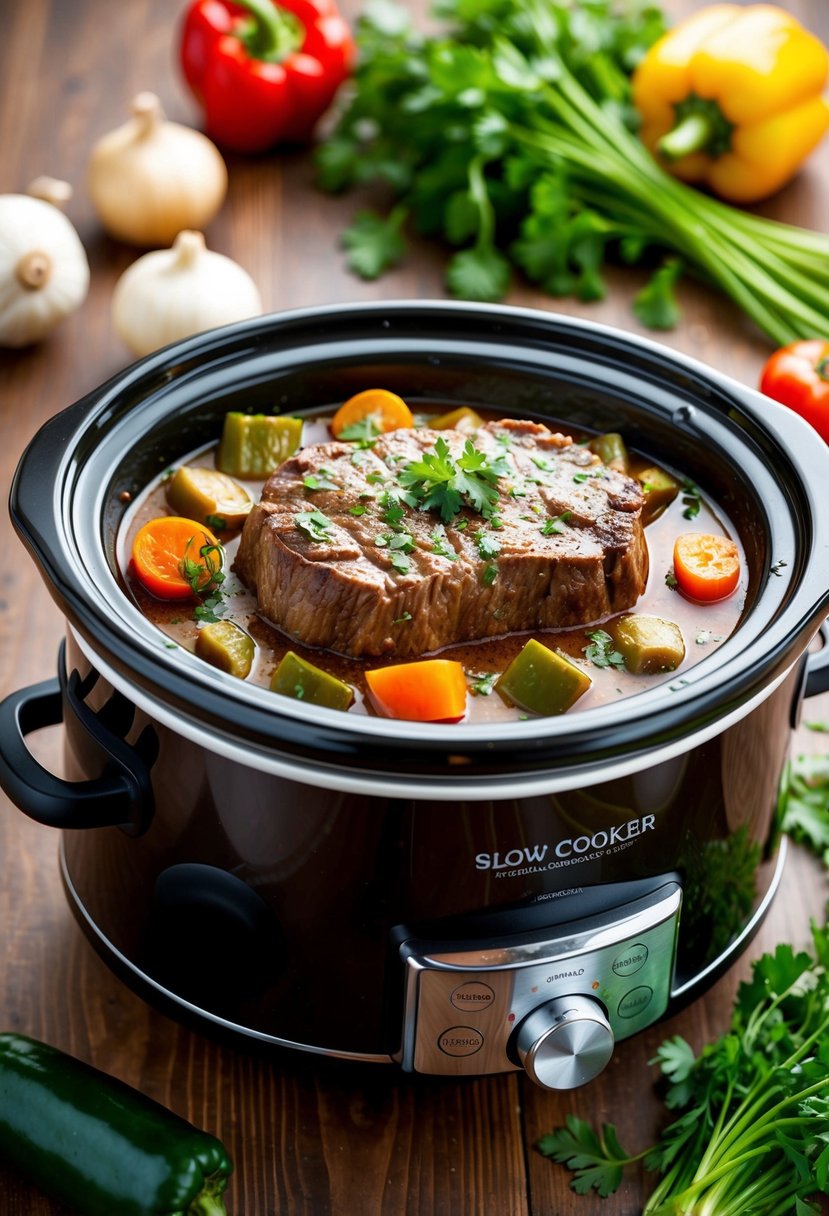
[(456, 899)]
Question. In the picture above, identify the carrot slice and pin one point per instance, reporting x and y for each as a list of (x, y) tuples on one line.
[(706, 567), (430, 690), (384, 409), (176, 558)]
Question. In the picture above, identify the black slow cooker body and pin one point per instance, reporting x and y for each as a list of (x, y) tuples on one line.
[(372, 889)]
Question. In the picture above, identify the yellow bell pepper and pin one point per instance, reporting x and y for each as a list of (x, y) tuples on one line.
[(731, 98)]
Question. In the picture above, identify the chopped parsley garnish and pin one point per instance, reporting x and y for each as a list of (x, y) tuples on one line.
[(407, 616), (554, 524), (321, 480), (399, 544), (580, 478), (600, 652), (358, 510), (299, 691), (542, 463), (440, 544), (670, 579), (691, 499), (216, 523), (482, 682), (489, 574), (442, 483), (315, 525), (393, 516), (205, 578), (363, 432), (488, 546)]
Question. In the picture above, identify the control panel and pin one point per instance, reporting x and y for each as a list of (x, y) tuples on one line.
[(553, 1002)]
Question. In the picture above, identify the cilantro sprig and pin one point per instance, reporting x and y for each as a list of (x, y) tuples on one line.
[(445, 484), (206, 578)]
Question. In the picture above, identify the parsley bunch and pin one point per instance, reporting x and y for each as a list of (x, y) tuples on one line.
[(751, 1127), (510, 137)]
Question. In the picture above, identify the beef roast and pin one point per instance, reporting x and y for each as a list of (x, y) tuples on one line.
[(338, 558)]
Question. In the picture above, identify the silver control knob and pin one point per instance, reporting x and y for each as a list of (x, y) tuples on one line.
[(565, 1042)]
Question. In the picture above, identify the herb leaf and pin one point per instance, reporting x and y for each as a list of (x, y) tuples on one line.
[(600, 652), (441, 483), (315, 526)]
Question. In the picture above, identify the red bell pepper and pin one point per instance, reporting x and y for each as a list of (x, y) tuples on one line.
[(798, 376), (263, 72)]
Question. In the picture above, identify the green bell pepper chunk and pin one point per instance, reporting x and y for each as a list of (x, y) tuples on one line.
[(611, 450), (649, 644), (98, 1146), (660, 490), (226, 646), (294, 677), (253, 445), (542, 681)]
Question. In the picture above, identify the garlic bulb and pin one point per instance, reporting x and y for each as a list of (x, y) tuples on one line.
[(151, 178), (44, 274), (171, 293)]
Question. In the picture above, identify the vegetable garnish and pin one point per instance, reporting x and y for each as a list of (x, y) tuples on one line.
[(98, 1146), (797, 376), (430, 690), (441, 483), (314, 525), (751, 1111), (601, 651), (177, 558), (706, 566), (376, 408), (537, 100)]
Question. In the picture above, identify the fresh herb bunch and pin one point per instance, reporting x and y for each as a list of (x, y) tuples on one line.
[(751, 1132), (509, 136), (439, 482), (805, 802)]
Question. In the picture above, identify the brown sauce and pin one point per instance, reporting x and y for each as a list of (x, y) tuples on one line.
[(704, 626)]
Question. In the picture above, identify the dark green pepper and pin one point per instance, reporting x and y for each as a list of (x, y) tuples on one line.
[(99, 1146)]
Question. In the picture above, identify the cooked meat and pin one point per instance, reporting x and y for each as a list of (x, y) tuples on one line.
[(340, 554)]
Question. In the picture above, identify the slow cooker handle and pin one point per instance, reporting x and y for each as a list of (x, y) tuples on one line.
[(121, 797), (817, 666)]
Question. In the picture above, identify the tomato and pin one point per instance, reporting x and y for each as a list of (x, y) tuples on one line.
[(798, 376), (706, 566)]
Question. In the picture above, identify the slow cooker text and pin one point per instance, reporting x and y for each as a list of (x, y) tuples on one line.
[(537, 855)]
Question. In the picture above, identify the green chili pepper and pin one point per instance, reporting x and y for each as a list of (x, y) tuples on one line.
[(99, 1146), (253, 445)]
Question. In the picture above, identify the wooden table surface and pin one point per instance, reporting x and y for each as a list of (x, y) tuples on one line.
[(307, 1137)]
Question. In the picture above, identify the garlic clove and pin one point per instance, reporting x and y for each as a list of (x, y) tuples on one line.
[(44, 272), (150, 178), (171, 294)]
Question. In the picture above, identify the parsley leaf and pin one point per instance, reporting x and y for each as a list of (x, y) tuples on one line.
[(374, 244), (478, 274), (442, 484), (553, 526), (321, 480), (488, 545), (600, 652), (596, 1160), (655, 305), (482, 683), (691, 500), (314, 525)]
